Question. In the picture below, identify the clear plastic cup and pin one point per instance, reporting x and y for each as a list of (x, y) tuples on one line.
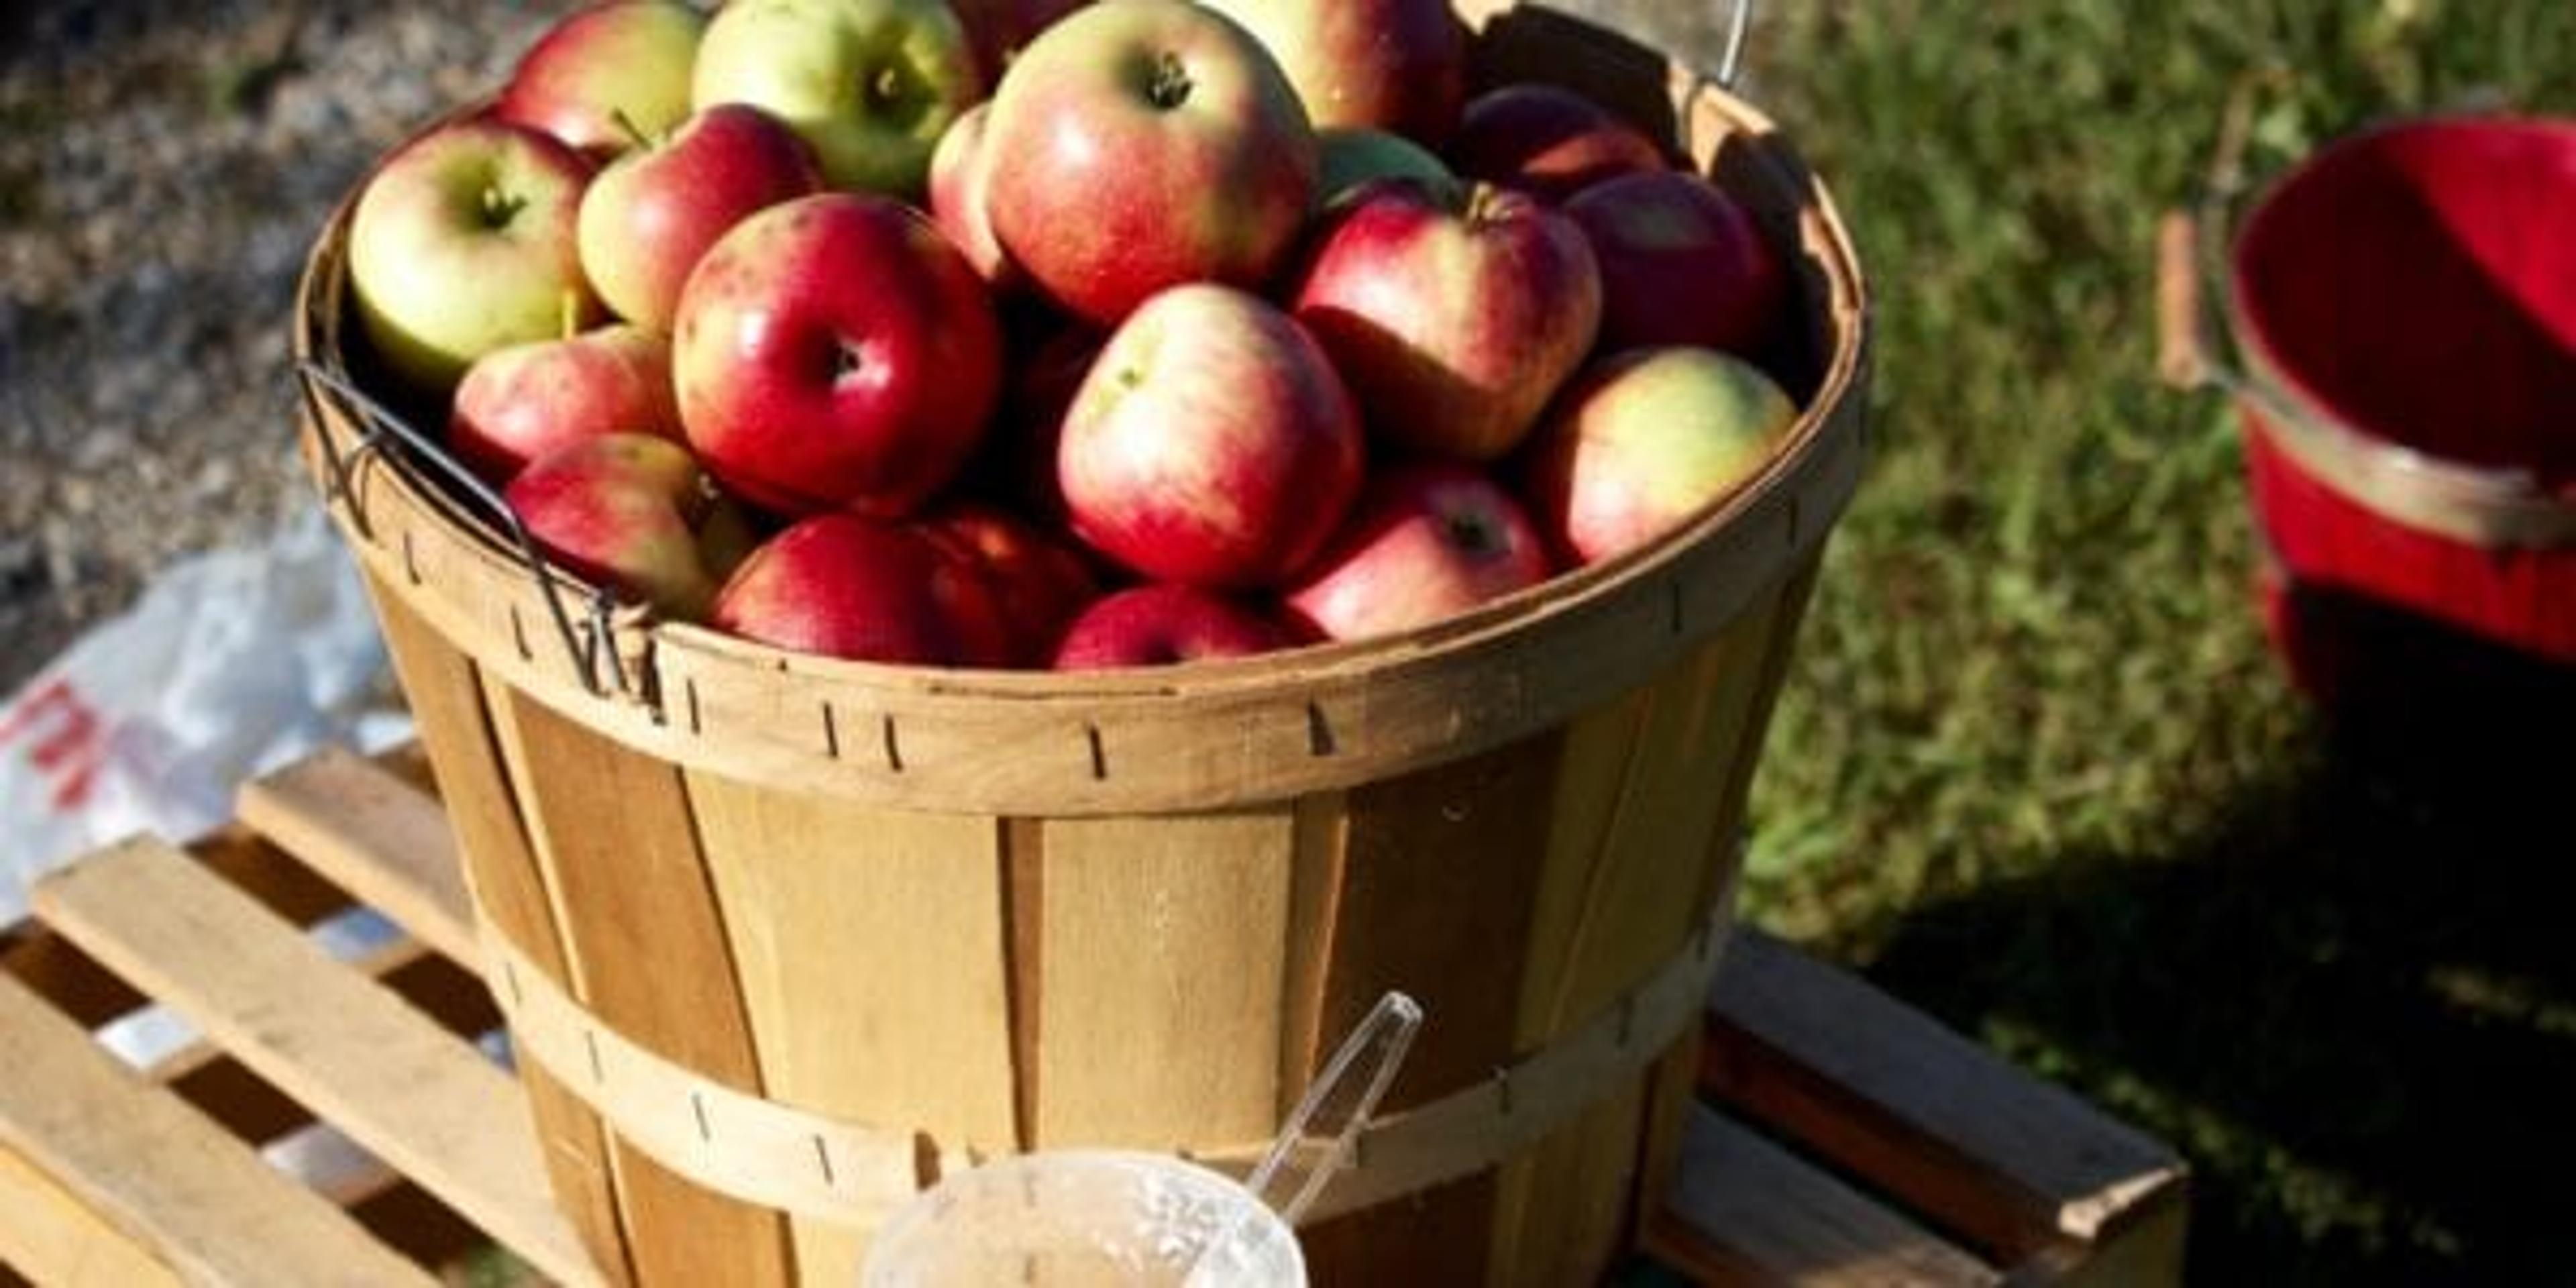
[(1112, 1218)]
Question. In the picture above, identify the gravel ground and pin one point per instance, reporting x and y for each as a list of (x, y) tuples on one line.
[(164, 167)]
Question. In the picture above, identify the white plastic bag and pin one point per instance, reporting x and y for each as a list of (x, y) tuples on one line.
[(232, 664)]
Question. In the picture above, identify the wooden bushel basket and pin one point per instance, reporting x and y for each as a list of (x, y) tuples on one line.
[(781, 939)]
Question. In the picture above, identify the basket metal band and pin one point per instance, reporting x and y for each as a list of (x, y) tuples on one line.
[(813, 1165)]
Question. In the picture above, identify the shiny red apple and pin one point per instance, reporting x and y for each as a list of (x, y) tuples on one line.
[(842, 585), (835, 353), (518, 403), (653, 213), (1453, 311), (632, 513), (1211, 443), (1139, 145), (608, 75), (1428, 541)]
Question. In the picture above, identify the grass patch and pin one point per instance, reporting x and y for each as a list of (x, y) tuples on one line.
[(2034, 767)]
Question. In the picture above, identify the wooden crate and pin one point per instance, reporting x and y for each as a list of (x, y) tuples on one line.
[(1839, 1137)]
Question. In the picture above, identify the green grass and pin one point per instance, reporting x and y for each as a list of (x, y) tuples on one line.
[(2035, 769)]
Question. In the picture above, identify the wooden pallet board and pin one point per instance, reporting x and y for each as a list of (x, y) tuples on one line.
[(1840, 1138)]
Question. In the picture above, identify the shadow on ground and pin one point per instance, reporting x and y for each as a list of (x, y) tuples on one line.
[(2352, 1005)]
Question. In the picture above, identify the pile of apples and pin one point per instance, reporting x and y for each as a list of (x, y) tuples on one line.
[(1213, 328)]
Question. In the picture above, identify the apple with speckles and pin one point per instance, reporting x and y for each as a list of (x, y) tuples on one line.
[(848, 586), (1454, 311), (651, 214), (1139, 145), (632, 513), (518, 403), (1397, 65), (1428, 540), (871, 84), (835, 352), (1211, 444)]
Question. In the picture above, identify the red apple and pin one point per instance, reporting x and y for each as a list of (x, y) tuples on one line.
[(1211, 442), (653, 213), (518, 403), (957, 182), (842, 585), (1428, 541), (1039, 582), (1547, 140), (1161, 624), (1454, 312), (998, 29), (1397, 65), (835, 352), (629, 512), (606, 75), (463, 242), (1140, 145), (1644, 440), (870, 84), (1681, 263)]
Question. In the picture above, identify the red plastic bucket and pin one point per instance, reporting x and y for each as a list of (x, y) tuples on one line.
[(2406, 299)]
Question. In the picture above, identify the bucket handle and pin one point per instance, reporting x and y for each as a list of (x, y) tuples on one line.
[(590, 645)]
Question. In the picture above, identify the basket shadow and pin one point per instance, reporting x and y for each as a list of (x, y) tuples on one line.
[(2352, 1007)]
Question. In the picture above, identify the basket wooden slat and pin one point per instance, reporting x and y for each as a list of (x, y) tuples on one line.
[(1766, 1193)]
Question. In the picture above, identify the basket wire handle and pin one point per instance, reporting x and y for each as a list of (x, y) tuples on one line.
[(587, 645), (1739, 29)]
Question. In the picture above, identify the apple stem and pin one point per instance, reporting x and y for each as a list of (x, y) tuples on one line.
[(885, 86), (568, 312), (1171, 84), (1482, 198), (634, 133)]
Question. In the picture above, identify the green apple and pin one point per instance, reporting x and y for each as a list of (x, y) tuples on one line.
[(870, 84), (1353, 155), (464, 241), (1646, 439)]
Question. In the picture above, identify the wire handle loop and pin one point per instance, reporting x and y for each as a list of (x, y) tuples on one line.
[(1739, 29), (588, 645)]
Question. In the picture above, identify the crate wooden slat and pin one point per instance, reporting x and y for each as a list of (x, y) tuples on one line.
[(1840, 1137)]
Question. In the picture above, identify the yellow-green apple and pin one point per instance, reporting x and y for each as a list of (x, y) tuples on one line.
[(871, 84), (606, 75), (1453, 311), (1162, 623), (1395, 65), (1428, 540), (1211, 443), (957, 171), (519, 403), (463, 242), (631, 513), (1353, 155), (835, 353), (650, 214), (1548, 140), (1681, 263), (998, 29), (1645, 439), (1039, 581), (1140, 145), (843, 585)]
